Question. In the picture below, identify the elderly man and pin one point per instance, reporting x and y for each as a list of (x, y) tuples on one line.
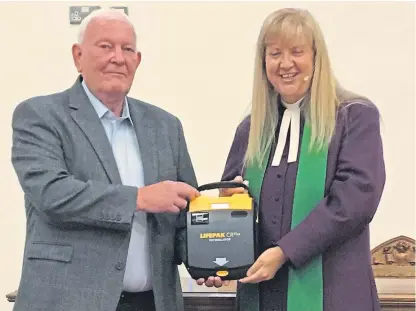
[(105, 178)]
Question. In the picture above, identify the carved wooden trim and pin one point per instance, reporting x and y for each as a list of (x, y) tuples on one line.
[(394, 258), (11, 297)]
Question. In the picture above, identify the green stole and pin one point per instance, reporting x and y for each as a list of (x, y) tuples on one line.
[(305, 287)]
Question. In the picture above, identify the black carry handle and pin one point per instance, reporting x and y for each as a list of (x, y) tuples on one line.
[(225, 184), (222, 185)]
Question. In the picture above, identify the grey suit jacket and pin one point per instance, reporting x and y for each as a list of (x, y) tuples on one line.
[(79, 214)]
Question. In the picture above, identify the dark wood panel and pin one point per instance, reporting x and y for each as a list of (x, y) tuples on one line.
[(208, 302), (225, 302)]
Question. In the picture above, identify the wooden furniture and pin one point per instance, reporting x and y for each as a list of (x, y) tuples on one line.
[(11, 297), (393, 264)]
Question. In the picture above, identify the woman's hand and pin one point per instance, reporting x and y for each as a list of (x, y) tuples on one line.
[(265, 266), (227, 192)]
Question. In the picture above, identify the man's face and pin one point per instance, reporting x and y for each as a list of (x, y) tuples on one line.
[(107, 58)]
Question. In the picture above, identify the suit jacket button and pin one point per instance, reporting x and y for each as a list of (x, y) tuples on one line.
[(120, 265)]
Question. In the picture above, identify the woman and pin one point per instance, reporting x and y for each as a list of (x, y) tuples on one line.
[(312, 154)]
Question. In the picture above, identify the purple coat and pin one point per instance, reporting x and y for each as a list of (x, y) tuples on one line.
[(338, 228)]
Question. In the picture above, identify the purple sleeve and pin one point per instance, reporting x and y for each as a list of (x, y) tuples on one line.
[(354, 194), (234, 164)]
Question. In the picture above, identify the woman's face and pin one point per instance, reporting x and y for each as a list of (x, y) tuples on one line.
[(289, 68)]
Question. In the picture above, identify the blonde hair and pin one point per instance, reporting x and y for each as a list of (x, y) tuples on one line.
[(290, 24)]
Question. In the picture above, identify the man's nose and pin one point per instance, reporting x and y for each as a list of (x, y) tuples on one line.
[(118, 56)]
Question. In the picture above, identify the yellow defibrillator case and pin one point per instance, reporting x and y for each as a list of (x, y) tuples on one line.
[(221, 233)]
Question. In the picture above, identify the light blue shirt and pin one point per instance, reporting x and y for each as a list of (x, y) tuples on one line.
[(122, 136)]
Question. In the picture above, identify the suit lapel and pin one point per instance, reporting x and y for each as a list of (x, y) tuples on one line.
[(87, 119), (145, 128)]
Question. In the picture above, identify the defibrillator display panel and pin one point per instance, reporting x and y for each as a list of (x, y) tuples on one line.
[(221, 234)]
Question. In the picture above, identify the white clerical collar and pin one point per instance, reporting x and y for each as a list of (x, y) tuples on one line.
[(291, 117)]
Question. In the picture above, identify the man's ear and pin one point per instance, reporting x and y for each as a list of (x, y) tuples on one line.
[(139, 59), (76, 55)]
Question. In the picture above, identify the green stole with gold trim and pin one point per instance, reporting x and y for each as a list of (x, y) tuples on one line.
[(305, 286)]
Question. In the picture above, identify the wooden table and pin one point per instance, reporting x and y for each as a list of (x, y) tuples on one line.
[(225, 301), (393, 265)]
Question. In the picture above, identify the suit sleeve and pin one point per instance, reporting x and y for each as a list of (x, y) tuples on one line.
[(186, 174), (39, 162), (353, 196)]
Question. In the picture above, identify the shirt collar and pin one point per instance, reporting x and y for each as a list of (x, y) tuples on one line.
[(101, 109), (294, 105)]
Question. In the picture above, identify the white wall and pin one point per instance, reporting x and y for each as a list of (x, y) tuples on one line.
[(197, 63)]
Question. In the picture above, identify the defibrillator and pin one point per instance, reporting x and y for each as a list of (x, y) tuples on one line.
[(221, 233)]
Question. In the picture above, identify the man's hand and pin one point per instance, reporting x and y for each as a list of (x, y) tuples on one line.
[(265, 266), (165, 196), (227, 192), (213, 281)]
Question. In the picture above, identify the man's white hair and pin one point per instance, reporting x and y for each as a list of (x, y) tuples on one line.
[(106, 14)]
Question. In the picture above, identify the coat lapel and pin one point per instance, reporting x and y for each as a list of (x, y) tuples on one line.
[(87, 119), (145, 128)]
